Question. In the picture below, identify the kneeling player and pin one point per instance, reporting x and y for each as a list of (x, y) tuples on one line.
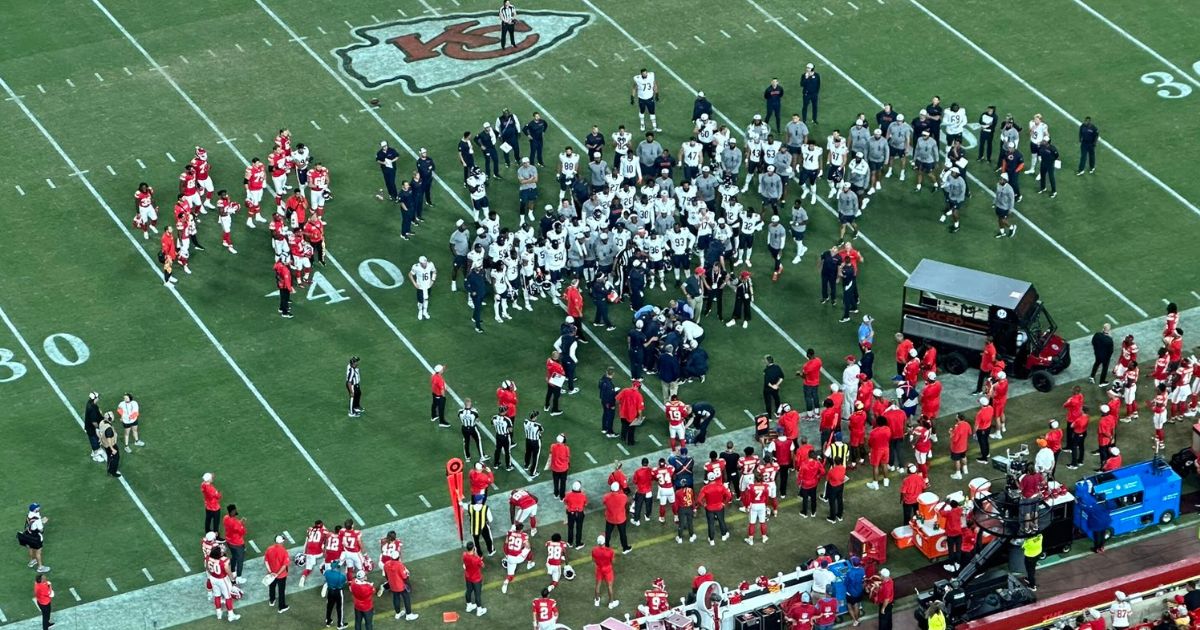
[(314, 548), (516, 551)]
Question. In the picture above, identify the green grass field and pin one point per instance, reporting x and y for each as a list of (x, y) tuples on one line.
[(103, 96)]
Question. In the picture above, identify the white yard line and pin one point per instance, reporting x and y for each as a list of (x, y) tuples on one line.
[(140, 163), (654, 439), (170, 157), (110, 169), (75, 594), (146, 572), (98, 77), (20, 191), (1111, 319), (424, 501), (50, 183), (1179, 72), (588, 455), (391, 510), (111, 584), (981, 186), (1048, 101)]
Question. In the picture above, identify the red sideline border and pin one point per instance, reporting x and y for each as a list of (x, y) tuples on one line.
[(1075, 602)]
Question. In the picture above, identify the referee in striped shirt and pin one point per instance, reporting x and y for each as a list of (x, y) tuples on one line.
[(508, 23), (354, 388), (481, 527), (504, 428), (533, 444), (469, 418)]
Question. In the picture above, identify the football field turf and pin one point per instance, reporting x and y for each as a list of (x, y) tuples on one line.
[(101, 96)]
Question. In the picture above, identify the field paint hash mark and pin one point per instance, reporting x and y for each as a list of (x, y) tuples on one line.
[(288, 537), (655, 440), (322, 30), (401, 106), (254, 546), (852, 5), (590, 458), (429, 100), (184, 59), (98, 77), (1196, 295), (211, 53), (258, 138), (79, 173), (826, 9), (424, 501), (347, 23), (402, 13), (672, 45), (374, 19), (539, 75), (618, 56), (170, 157), (50, 183), (719, 423), (621, 447), (752, 29), (390, 509), (801, 16), (1111, 319), (146, 572), (239, 47), (344, 119), (110, 169), (455, 93), (41, 89), (74, 593), (1166, 301), (128, 72), (484, 87), (727, 35), (20, 191), (592, 62), (697, 38), (315, 125), (564, 68), (111, 584), (266, 41), (1082, 327), (141, 163), (70, 83)]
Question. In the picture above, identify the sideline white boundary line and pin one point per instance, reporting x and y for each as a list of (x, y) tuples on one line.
[(979, 184), (37, 362), (1140, 44), (1046, 99)]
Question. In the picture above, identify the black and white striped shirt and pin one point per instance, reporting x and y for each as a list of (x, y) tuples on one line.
[(502, 424), (468, 417), (533, 429), (508, 13), (352, 375)]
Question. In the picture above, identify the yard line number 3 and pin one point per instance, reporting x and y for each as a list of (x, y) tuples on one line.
[(64, 349), (1167, 86)]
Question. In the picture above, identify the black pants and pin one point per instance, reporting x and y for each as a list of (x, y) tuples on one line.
[(45, 608), (515, 153), (1047, 173), (426, 187), (402, 597), (636, 364), (474, 593), (482, 539), (285, 302), (717, 518), (601, 314), (808, 501), (471, 434), (277, 592), (717, 296), (333, 602), (560, 484), (985, 145), (356, 399), (781, 480), (503, 448), (835, 494), (365, 619), (978, 380), (954, 546), (608, 530), (552, 395), (237, 558), (491, 162), (1087, 154), (535, 151), (607, 416), (849, 299), (508, 29), (575, 528), (829, 288), (770, 400), (741, 308), (627, 431), (809, 99), (909, 509), (113, 456), (389, 180), (773, 108), (1077, 440), (1014, 179), (1031, 570), (642, 506), (885, 617), (533, 451), (437, 409), (212, 521), (1102, 366), (686, 523), (985, 449)]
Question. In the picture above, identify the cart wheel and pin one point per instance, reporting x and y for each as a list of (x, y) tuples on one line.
[(1166, 517), (1042, 380), (954, 363), (1065, 550)]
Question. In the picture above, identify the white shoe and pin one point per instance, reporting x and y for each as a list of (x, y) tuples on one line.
[(504, 587), (796, 260), (878, 186), (234, 616), (964, 470), (220, 613), (154, 229), (866, 202), (412, 617), (730, 324), (745, 324), (231, 249), (764, 540), (471, 607), (479, 612), (145, 236), (260, 219), (208, 204), (596, 602), (901, 175), (529, 565), (941, 219), (956, 476), (749, 541), (889, 173), (187, 270), (692, 538), (679, 540), (139, 443), (832, 193), (250, 223), (886, 482), (871, 190), (918, 188)]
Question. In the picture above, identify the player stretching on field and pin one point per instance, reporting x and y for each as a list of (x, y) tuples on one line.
[(516, 551)]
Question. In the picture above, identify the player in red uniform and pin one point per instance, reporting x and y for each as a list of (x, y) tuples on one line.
[(506, 396), (931, 397), (657, 599), (755, 497), (189, 189), (1129, 380), (922, 437), (352, 548), (318, 188), (516, 551), (217, 567), (296, 210), (333, 546), (203, 176), (279, 235), (602, 560), (145, 210), (545, 612), (664, 478), (879, 445), (1180, 388), (301, 254), (677, 413), (184, 230), (278, 162), (1171, 322), (314, 548), (747, 465), (522, 507), (283, 141), (314, 234), (168, 254), (226, 208), (1158, 407), (206, 546), (556, 559), (255, 179), (390, 548), (768, 471)]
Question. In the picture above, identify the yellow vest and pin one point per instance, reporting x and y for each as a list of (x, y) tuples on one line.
[(937, 621), (1033, 546)]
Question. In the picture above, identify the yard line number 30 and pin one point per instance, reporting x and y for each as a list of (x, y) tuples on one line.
[(64, 349), (1167, 86)]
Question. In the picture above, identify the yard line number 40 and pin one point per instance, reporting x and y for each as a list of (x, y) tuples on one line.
[(377, 272), (64, 349), (1167, 86)]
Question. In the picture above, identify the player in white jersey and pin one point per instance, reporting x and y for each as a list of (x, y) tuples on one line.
[(691, 154), (226, 208), (810, 169), (501, 294), (756, 136), (217, 567), (751, 223), (656, 249), (837, 152), (477, 187), (705, 130), (629, 169), (568, 170), (622, 142), (645, 95), (1039, 132), (422, 275), (681, 242)]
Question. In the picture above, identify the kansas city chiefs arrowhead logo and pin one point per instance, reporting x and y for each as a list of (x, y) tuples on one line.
[(427, 54)]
